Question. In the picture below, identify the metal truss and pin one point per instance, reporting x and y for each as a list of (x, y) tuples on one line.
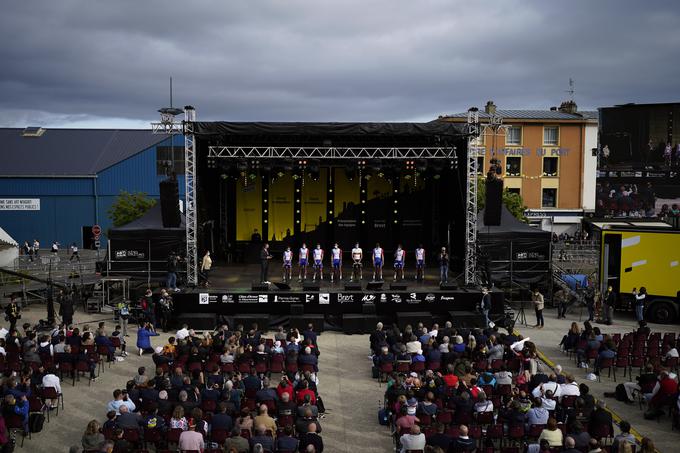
[(174, 128), (301, 152), (473, 130), (190, 209)]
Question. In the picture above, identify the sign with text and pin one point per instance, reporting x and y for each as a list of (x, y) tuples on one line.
[(19, 204)]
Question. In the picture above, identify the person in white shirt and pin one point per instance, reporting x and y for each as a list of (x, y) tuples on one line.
[(357, 256), (182, 333), (551, 385), (415, 440), (52, 380), (303, 258), (420, 263), (287, 264), (483, 405), (378, 260), (318, 262), (548, 402), (399, 257), (503, 377), (673, 352), (569, 388), (336, 262)]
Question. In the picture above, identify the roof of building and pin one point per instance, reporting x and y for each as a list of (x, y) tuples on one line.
[(554, 115), (70, 152)]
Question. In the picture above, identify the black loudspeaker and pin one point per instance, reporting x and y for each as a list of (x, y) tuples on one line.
[(310, 286), (169, 192), (282, 286), (448, 286), (353, 286), (368, 309), (399, 286), (494, 201), (260, 286), (374, 286), (297, 309)]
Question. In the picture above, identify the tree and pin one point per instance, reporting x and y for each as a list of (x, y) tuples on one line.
[(129, 207), (512, 201)]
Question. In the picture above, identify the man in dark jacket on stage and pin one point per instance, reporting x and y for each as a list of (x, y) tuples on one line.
[(264, 263)]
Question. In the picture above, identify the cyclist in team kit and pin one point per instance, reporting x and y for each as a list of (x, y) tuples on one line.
[(378, 259), (318, 262), (399, 256), (336, 261), (287, 264), (357, 268), (303, 257), (420, 263)]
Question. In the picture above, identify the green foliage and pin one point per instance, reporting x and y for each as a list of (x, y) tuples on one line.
[(129, 207), (512, 201)]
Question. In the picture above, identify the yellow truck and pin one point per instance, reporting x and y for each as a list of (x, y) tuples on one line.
[(636, 254)]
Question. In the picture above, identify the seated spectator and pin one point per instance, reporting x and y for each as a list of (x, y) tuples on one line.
[(483, 405), (190, 439), (439, 439), (624, 437), (462, 443), (578, 435), (537, 415), (261, 437), (552, 434), (178, 420), (427, 407), (128, 420), (570, 446), (263, 419), (600, 420), (286, 441), (313, 439), (92, 437), (153, 420), (236, 442), (503, 376), (221, 420)]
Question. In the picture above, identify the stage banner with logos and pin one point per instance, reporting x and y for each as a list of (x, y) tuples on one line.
[(281, 193), (248, 208), (314, 201)]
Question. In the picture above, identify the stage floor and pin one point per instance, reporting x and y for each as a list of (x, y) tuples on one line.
[(240, 277)]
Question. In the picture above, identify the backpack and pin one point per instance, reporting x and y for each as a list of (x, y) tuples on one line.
[(36, 420), (621, 395), (383, 417)]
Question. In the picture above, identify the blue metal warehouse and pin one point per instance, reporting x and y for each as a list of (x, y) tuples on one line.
[(55, 184)]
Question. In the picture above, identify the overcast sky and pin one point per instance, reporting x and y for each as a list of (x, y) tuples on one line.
[(91, 63)]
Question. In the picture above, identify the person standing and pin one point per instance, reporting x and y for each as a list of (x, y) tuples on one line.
[(165, 309), (55, 248), (561, 298), (590, 302), (303, 258), (378, 260), (420, 263), (36, 248), (66, 307), (443, 266), (264, 263), (124, 315), (287, 264), (357, 257), (74, 252), (171, 279), (12, 313), (485, 305), (206, 264), (609, 302), (640, 297), (539, 304)]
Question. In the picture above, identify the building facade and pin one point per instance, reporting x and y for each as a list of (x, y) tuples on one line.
[(549, 157), (55, 184)]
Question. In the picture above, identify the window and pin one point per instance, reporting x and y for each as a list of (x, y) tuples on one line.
[(480, 165), (513, 166), (513, 135), (169, 159), (516, 190), (550, 165), (551, 135), (549, 199)]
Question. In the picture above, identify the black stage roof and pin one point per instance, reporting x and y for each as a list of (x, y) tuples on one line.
[(431, 129)]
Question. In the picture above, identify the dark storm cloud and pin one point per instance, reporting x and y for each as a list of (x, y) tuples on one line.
[(107, 63)]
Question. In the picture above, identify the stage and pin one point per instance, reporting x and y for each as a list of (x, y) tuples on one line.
[(231, 296)]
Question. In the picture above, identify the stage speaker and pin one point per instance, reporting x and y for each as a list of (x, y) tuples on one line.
[(353, 286), (282, 286), (297, 309), (368, 309), (374, 286), (260, 286), (310, 286), (169, 194), (448, 286), (399, 286), (494, 201)]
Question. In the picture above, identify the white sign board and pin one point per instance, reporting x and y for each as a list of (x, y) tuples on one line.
[(19, 204)]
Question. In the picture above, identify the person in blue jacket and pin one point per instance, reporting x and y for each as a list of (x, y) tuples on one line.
[(144, 335)]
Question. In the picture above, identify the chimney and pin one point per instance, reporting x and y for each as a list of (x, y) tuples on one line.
[(568, 107), (490, 108)]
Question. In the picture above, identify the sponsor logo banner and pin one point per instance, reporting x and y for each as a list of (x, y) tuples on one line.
[(228, 298), (290, 299), (324, 299), (345, 298), (203, 299), (248, 298)]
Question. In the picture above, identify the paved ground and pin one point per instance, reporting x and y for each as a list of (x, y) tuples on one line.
[(352, 402)]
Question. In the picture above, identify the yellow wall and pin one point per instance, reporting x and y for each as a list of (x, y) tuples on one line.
[(248, 208), (280, 205), (346, 191), (314, 201)]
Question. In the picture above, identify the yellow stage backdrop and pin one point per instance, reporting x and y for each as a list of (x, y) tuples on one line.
[(378, 187), (314, 201), (281, 192), (346, 191), (248, 208)]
